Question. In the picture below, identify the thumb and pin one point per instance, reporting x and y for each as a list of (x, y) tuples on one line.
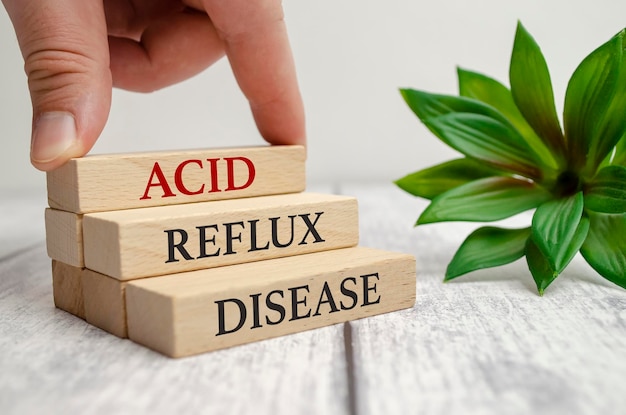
[(66, 58)]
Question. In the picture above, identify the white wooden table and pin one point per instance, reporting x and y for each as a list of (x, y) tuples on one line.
[(487, 344)]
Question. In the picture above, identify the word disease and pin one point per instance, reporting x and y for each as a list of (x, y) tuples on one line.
[(296, 303), (199, 250)]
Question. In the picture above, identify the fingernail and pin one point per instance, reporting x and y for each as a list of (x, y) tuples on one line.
[(53, 134)]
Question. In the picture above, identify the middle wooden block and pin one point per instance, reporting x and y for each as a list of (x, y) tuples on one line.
[(136, 243)]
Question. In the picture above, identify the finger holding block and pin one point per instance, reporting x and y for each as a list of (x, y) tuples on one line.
[(138, 243), (200, 311), (122, 181)]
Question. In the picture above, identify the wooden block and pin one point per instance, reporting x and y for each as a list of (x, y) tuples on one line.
[(112, 182), (138, 243), (67, 288), (64, 237), (205, 310), (104, 302)]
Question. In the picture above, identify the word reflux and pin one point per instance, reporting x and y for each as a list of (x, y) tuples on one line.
[(234, 231)]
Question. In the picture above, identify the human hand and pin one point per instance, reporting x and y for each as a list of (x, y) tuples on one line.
[(75, 51)]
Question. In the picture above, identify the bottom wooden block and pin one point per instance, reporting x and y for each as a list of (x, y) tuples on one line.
[(105, 307), (199, 311), (67, 289), (94, 297)]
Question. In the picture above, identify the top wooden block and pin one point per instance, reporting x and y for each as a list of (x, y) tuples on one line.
[(124, 181)]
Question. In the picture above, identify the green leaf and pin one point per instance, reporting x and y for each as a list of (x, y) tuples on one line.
[(426, 105), (616, 157), (433, 181), (542, 265), (614, 123), (577, 241), (487, 139), (487, 247), (605, 246), (484, 200), (559, 229), (594, 112), (445, 115), (619, 156), (606, 193), (531, 88), (491, 92), (539, 267)]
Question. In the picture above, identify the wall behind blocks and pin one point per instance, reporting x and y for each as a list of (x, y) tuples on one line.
[(351, 56)]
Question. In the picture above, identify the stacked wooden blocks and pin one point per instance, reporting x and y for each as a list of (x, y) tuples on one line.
[(191, 251)]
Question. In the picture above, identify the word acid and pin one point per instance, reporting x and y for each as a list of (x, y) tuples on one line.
[(214, 171)]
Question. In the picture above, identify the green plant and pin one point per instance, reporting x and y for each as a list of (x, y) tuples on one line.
[(518, 158)]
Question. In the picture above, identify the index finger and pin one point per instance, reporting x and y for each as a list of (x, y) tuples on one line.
[(257, 46)]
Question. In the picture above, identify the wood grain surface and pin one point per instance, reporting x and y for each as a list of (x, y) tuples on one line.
[(484, 344)]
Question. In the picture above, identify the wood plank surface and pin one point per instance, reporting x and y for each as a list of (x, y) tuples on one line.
[(206, 310), (54, 362), (96, 183), (485, 343), (138, 243)]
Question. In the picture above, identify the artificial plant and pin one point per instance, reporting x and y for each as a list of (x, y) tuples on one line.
[(517, 158)]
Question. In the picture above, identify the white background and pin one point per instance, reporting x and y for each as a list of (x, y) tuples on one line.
[(351, 56)]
